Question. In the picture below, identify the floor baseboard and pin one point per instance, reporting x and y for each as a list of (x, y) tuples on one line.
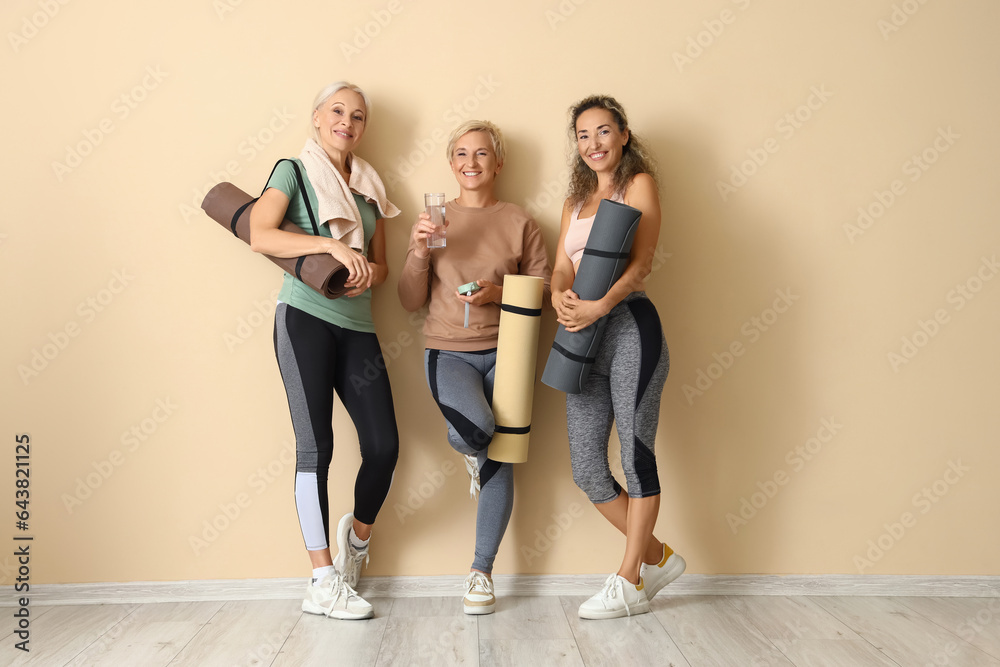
[(509, 584)]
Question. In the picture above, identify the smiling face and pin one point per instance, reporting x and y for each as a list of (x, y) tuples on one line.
[(599, 140), (474, 162), (340, 121)]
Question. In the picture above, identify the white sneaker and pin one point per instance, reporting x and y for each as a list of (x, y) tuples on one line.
[(331, 596), (658, 576), (617, 598), (348, 560), (472, 467), (479, 598)]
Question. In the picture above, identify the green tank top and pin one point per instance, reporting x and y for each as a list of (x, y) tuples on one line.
[(349, 312)]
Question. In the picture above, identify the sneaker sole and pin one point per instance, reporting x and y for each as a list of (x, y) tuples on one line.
[(673, 571), (475, 610), (310, 607), (614, 613)]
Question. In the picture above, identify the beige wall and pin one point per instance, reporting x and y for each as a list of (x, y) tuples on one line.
[(155, 320)]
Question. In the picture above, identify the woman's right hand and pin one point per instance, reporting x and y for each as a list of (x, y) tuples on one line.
[(559, 302), (422, 229), (360, 276)]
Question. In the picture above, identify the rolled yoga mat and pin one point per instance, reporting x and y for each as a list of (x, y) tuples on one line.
[(230, 207), (604, 260), (514, 382)]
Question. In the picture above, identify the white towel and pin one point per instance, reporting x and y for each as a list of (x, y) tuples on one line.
[(337, 208)]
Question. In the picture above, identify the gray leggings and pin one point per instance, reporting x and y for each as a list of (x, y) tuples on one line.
[(624, 387), (462, 385)]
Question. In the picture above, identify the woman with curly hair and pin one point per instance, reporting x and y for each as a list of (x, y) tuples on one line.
[(627, 377)]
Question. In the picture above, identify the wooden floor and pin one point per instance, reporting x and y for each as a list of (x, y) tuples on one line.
[(537, 631)]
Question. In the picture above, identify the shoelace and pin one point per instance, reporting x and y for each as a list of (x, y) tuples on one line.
[(612, 589), (479, 583), (340, 589), (355, 558), (472, 467)]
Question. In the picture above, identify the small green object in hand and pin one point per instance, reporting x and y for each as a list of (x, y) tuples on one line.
[(469, 288)]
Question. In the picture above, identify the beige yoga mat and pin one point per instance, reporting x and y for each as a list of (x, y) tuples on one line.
[(514, 382), (230, 207)]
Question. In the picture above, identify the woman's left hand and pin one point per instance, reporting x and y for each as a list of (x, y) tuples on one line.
[(488, 293), (357, 291), (580, 314)]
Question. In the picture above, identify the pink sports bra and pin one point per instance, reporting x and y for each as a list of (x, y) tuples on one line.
[(579, 232)]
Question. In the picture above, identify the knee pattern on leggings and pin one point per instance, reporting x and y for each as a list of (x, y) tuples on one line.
[(461, 384), (639, 465), (624, 386)]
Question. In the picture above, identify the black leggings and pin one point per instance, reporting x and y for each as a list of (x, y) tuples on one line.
[(317, 358)]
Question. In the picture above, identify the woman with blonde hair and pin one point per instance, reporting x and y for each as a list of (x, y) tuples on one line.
[(322, 344), (631, 364), (486, 240)]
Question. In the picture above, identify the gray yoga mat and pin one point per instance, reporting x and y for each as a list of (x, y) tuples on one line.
[(604, 260)]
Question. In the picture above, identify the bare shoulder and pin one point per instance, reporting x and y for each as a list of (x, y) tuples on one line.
[(642, 186)]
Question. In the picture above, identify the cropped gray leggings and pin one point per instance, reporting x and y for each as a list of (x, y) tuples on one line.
[(624, 387), (462, 385)]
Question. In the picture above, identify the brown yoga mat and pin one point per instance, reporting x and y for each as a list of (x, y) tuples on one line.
[(230, 207)]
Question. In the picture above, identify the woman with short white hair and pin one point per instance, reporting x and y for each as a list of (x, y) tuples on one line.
[(326, 345)]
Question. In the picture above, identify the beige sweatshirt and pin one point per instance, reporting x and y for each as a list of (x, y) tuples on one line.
[(483, 244)]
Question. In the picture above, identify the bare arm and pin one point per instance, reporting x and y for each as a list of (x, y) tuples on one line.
[(563, 274), (641, 194), (266, 237), (376, 258), (577, 314)]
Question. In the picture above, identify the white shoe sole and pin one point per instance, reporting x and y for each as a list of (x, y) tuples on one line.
[(598, 615), (310, 607), (674, 567), (476, 610)]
